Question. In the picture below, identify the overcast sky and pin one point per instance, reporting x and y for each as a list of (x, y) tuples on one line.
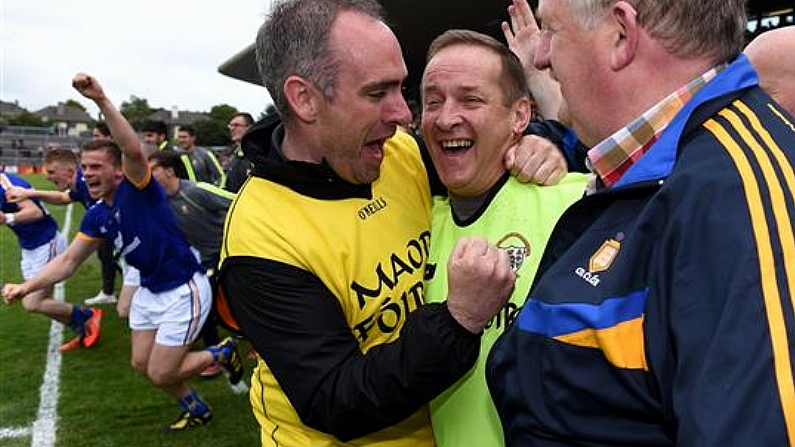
[(165, 51)]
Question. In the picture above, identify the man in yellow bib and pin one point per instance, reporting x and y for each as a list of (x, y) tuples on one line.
[(323, 259)]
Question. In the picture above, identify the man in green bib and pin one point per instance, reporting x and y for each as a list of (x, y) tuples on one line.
[(476, 104)]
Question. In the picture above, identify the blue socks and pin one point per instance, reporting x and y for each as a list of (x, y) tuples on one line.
[(193, 404), (220, 352), (77, 321)]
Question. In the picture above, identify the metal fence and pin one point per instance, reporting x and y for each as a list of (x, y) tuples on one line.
[(24, 147)]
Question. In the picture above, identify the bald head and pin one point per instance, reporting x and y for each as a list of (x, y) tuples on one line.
[(771, 54)]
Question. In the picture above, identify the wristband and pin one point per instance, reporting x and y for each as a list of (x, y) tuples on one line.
[(10, 218)]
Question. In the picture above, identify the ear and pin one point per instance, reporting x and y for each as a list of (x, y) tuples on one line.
[(521, 114), (302, 98), (626, 37)]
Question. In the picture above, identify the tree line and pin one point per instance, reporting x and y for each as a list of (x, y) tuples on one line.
[(210, 132)]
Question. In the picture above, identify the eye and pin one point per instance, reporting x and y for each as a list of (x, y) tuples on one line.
[(471, 100), (377, 94), (431, 103)]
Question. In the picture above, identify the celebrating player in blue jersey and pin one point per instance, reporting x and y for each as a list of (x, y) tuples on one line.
[(40, 241), (61, 167), (174, 299)]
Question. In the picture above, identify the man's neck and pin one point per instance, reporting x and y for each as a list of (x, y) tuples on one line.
[(465, 207), (298, 145)]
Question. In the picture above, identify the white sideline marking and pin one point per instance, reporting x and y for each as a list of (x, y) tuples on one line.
[(6, 433), (46, 423)]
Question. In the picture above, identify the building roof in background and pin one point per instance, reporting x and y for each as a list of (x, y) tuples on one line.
[(10, 108), (178, 117), (64, 113)]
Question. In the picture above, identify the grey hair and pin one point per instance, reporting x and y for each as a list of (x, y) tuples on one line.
[(294, 40), (691, 28), (589, 12)]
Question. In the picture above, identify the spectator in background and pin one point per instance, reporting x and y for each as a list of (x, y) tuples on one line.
[(100, 130), (155, 133), (200, 163), (40, 242), (662, 313), (237, 165)]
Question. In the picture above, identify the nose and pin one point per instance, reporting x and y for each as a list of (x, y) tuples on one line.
[(541, 59), (395, 110), (448, 115)]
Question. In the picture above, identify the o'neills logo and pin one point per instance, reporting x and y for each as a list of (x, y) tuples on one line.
[(517, 247), (372, 208)]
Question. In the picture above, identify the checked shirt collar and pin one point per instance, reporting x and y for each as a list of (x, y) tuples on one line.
[(611, 158)]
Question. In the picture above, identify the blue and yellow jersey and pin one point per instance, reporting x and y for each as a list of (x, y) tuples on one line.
[(31, 234), (144, 231)]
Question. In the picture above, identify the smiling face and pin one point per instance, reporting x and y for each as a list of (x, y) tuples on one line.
[(185, 140), (150, 137), (466, 122), (367, 103), (237, 128), (101, 176)]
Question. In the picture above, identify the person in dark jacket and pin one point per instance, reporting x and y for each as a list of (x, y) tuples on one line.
[(662, 312), (237, 166), (154, 133), (201, 164)]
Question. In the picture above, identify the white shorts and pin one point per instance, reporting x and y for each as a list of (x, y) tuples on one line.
[(132, 276), (177, 314), (32, 261)]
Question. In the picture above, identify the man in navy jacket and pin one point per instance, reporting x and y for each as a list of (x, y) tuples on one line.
[(663, 315)]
